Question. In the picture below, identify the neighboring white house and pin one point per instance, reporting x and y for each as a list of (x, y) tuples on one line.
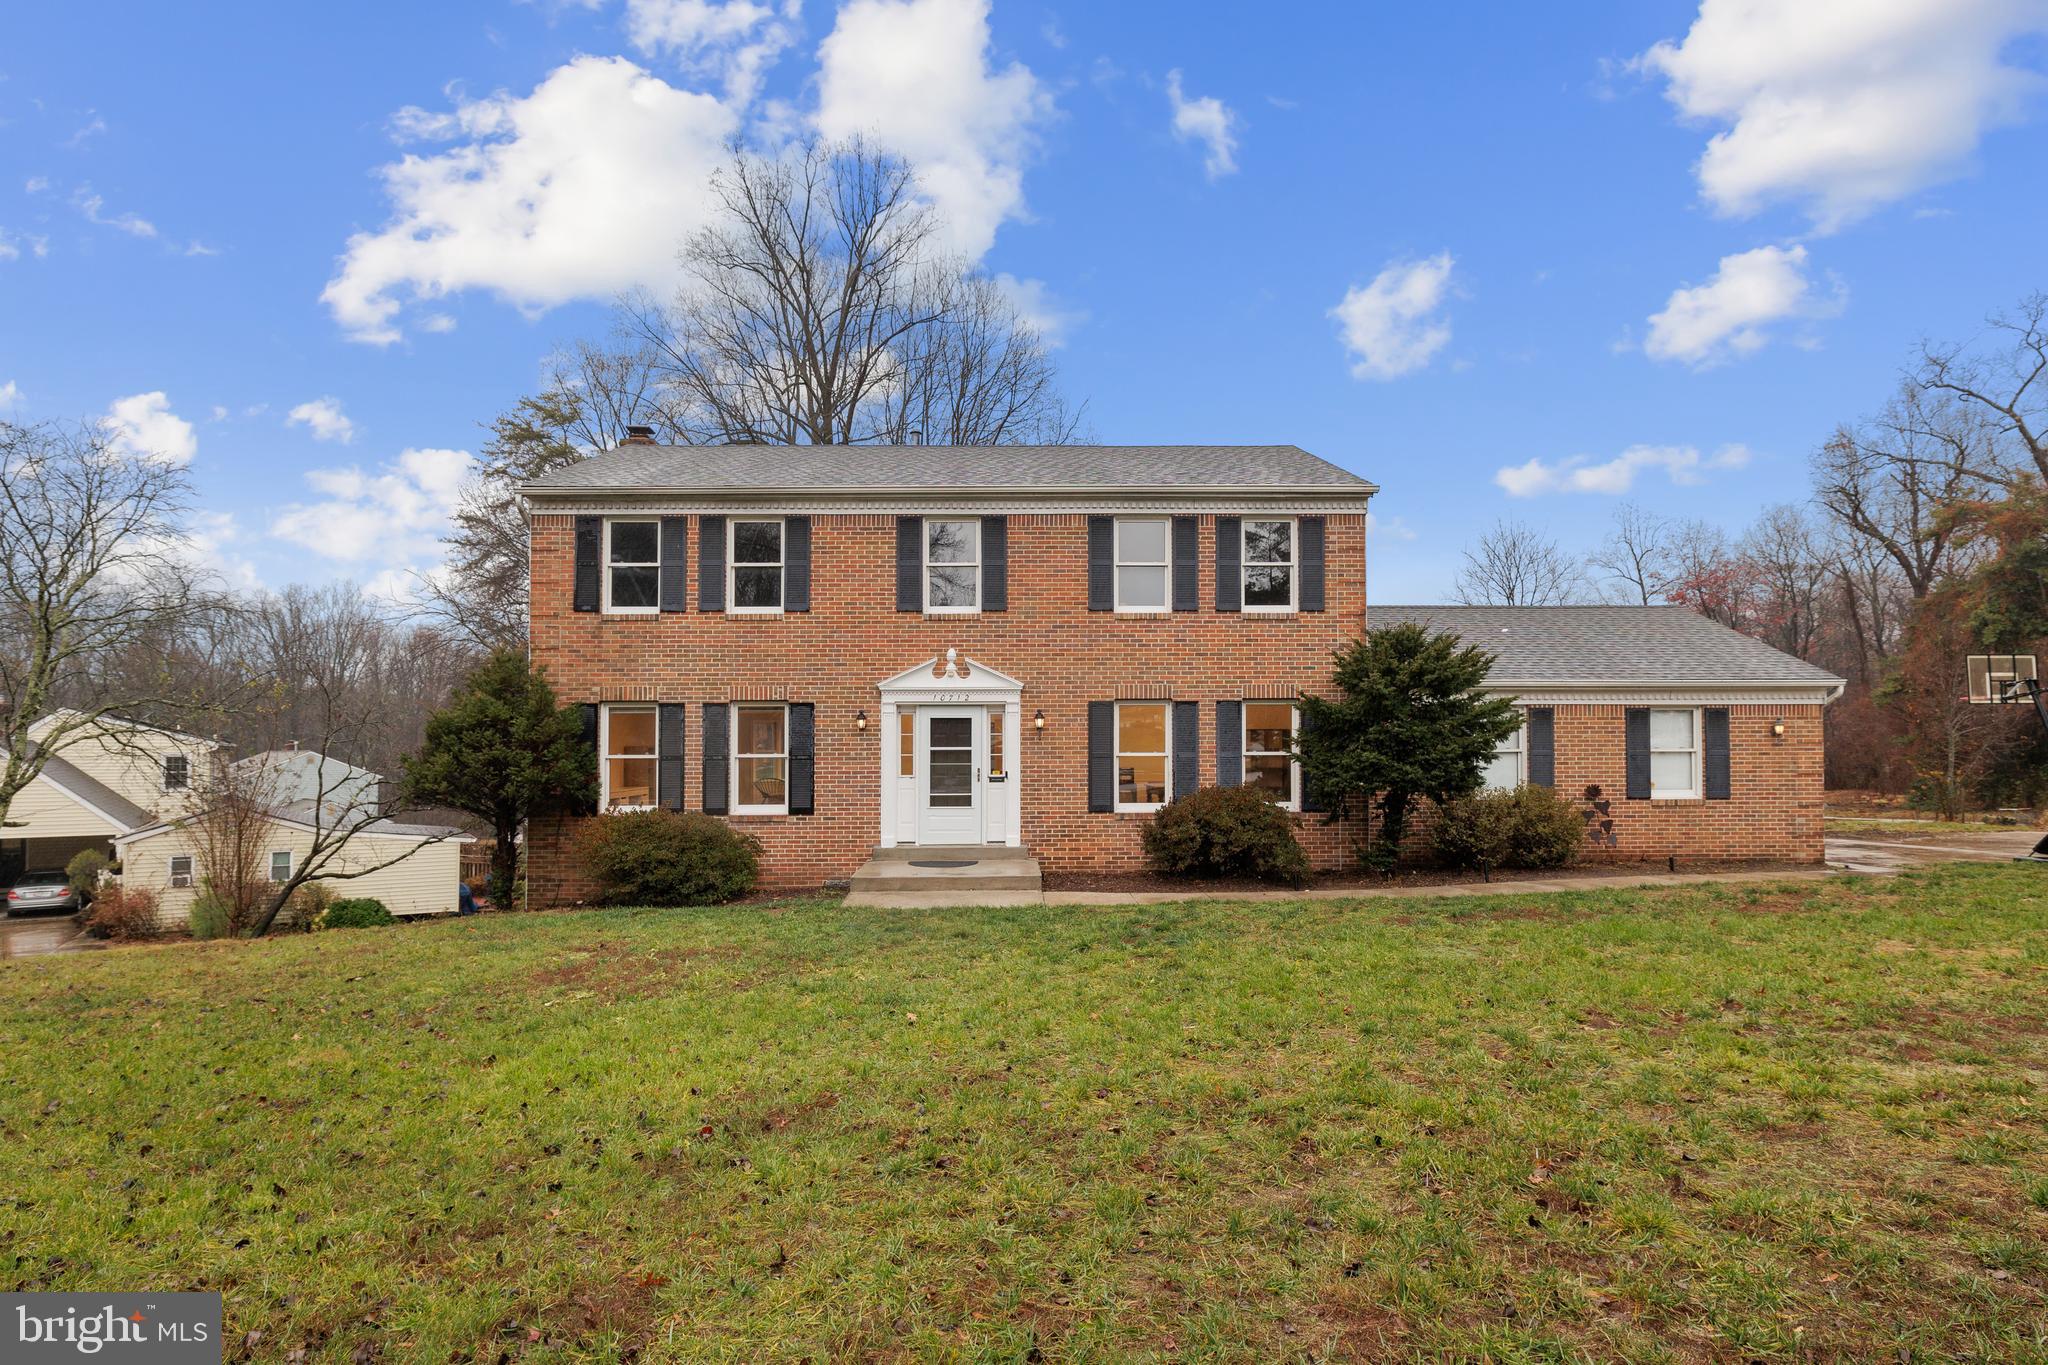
[(295, 775), (116, 779), (164, 859)]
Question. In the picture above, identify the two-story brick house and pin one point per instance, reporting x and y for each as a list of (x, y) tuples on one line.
[(845, 648)]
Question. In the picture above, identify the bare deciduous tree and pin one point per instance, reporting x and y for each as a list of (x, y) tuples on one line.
[(1513, 565), (822, 311), (1790, 578), (96, 594), (2009, 388), (1889, 480), (1637, 557)]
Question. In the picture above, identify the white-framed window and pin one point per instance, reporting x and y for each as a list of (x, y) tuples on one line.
[(280, 864), (1143, 567), (177, 772), (629, 768), (952, 564), (1269, 564), (1144, 763), (906, 743), (632, 566), (996, 770), (754, 565), (1506, 771), (181, 869), (1268, 751), (1674, 754), (760, 758)]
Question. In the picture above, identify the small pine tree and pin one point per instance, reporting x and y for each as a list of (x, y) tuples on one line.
[(501, 749), (1409, 721)]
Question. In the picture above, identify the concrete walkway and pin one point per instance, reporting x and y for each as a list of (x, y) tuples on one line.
[(1894, 855), (41, 935)]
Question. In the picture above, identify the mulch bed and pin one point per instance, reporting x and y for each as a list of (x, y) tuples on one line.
[(1147, 882)]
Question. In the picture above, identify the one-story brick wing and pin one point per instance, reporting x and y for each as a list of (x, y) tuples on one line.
[(852, 650)]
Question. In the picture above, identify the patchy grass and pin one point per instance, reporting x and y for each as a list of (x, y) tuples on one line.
[(1900, 826), (1702, 1123)]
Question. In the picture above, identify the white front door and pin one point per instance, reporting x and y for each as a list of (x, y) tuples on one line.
[(949, 775)]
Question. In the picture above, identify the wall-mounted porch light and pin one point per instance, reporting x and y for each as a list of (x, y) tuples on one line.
[(1038, 720), (1778, 728), (860, 722)]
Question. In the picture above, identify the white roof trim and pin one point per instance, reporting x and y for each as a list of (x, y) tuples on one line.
[(979, 682), (1013, 502), (1678, 692)]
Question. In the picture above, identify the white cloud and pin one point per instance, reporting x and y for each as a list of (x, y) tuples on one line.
[(325, 418), (578, 190), (144, 427), (437, 322), (1393, 528), (1579, 474), (914, 76), (1035, 303), (35, 184), (396, 515), (1392, 326), (93, 207), (1730, 315), (1846, 105), (735, 40), (1207, 120), (88, 130), (10, 394)]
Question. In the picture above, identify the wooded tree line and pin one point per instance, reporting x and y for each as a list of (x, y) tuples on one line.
[(1924, 540)]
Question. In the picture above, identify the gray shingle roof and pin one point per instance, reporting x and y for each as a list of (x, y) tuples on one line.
[(683, 469), (1625, 645), (86, 787)]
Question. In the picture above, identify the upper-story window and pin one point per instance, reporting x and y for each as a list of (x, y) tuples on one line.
[(632, 573), (1141, 564), (1269, 565), (755, 566), (177, 772), (952, 565)]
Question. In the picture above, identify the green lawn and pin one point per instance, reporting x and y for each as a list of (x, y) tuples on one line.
[(1851, 824), (1796, 1121)]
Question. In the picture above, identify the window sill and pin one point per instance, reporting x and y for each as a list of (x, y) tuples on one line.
[(1139, 810), (753, 611), (1270, 611), (758, 812), (950, 612), (624, 810), (1144, 611), (629, 613), (1676, 796)]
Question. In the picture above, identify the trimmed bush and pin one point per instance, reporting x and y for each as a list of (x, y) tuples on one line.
[(357, 912), (85, 870), (123, 915), (1529, 827), (660, 857), (211, 917), (1225, 832)]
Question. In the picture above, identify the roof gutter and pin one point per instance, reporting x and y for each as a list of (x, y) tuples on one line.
[(1835, 686), (896, 492)]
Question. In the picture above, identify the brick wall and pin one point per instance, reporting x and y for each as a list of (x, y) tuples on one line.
[(1066, 656), (834, 655)]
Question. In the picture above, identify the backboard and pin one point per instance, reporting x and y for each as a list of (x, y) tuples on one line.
[(2001, 678)]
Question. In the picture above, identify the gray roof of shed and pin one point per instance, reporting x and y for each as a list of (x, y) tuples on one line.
[(1625, 645), (753, 468)]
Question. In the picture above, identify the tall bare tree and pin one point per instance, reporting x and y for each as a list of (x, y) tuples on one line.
[(93, 574), (1889, 480), (1637, 556), (1514, 565), (2008, 386), (820, 309), (1791, 580)]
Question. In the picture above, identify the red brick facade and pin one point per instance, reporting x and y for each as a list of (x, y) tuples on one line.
[(834, 655)]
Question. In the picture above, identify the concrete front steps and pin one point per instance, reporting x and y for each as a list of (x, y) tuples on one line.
[(955, 874)]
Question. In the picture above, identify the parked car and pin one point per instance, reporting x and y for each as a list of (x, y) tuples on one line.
[(43, 889)]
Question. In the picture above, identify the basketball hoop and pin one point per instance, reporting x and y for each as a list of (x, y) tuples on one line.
[(2001, 679)]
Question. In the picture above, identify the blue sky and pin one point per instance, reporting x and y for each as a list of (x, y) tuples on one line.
[(1514, 260)]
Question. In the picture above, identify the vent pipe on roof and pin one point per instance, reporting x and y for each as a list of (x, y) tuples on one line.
[(638, 436)]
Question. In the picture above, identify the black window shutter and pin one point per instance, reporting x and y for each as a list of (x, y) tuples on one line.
[(1309, 591), (1636, 729), (589, 549), (1714, 731), (1101, 755), (796, 563), (1187, 748), (668, 768), (1311, 799), (1539, 740), (711, 563), (1187, 552), (1102, 563), (910, 563), (588, 805), (1230, 744), (995, 563), (675, 541), (803, 758), (1229, 563), (717, 759)]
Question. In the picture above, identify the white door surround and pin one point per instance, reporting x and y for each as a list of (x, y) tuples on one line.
[(961, 687), (949, 761)]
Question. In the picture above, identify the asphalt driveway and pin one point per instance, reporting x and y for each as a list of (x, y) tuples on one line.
[(1895, 855)]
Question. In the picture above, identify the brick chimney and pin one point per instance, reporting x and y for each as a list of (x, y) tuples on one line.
[(638, 436)]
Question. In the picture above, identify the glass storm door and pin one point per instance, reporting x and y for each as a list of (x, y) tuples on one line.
[(949, 782)]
